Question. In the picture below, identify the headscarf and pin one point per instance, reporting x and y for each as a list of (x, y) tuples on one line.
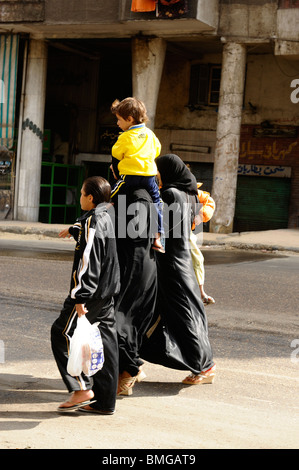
[(175, 174)]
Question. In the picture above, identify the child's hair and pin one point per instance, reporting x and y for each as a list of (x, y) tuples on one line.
[(98, 187), (130, 107)]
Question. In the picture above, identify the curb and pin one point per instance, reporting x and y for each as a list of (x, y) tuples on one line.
[(30, 231), (251, 246), (46, 231), (53, 231)]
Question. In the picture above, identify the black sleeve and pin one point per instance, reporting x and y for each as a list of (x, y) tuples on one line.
[(86, 277), (74, 230)]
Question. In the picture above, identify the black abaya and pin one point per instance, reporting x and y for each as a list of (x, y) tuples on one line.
[(178, 337), (135, 303)]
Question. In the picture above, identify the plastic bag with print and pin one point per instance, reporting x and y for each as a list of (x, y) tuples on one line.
[(86, 349)]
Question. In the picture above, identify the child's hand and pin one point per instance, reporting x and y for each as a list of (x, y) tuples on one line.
[(81, 309), (64, 233), (114, 175)]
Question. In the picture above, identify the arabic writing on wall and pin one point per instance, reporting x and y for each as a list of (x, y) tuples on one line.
[(261, 170), (108, 137), (272, 151)]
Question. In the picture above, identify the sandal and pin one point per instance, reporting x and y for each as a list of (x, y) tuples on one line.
[(74, 406), (125, 385), (208, 300), (140, 376), (206, 377)]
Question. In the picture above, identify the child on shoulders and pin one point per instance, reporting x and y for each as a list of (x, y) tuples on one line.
[(133, 156)]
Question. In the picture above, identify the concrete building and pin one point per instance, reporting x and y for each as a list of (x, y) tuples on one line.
[(220, 79)]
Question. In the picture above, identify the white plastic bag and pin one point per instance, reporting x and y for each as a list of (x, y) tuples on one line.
[(86, 349)]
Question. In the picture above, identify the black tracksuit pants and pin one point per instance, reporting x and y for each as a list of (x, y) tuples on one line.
[(104, 382)]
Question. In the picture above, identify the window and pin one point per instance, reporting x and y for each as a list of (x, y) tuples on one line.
[(214, 85), (204, 84)]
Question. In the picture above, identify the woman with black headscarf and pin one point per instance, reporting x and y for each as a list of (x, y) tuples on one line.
[(178, 337)]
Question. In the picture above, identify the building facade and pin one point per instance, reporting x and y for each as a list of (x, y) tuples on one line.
[(220, 80)]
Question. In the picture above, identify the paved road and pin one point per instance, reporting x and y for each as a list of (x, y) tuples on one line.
[(254, 332)]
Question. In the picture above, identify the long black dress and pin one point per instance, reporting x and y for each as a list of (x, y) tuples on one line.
[(178, 337), (135, 303)]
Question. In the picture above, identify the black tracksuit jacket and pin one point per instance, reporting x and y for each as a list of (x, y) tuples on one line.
[(95, 273)]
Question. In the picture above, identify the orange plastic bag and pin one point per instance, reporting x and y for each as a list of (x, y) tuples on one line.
[(207, 207)]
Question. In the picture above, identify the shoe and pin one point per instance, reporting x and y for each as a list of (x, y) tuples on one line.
[(125, 385), (95, 411), (140, 376), (206, 377)]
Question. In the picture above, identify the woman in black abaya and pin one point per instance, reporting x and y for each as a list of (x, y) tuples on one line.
[(178, 337), (135, 303)]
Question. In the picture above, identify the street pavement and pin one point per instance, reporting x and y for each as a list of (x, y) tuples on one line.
[(243, 409)]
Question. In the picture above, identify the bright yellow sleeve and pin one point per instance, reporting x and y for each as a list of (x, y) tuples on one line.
[(118, 149)]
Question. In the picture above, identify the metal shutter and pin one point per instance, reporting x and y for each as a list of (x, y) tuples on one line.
[(262, 203)]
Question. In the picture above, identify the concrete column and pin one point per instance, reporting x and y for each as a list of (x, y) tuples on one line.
[(228, 137), (148, 55), (32, 133)]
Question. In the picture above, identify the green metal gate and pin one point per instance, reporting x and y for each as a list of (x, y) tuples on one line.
[(60, 193), (262, 203)]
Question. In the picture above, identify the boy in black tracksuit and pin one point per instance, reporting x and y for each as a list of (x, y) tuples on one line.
[(94, 282)]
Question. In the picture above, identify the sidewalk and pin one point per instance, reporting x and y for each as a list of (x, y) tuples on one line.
[(281, 240)]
